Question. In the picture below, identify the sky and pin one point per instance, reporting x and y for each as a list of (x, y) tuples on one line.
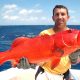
[(36, 12)]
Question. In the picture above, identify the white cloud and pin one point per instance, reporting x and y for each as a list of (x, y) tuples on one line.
[(23, 12), (10, 6), (34, 11), (72, 11), (10, 12), (7, 17), (74, 20), (39, 11), (15, 13), (72, 17), (43, 18), (9, 9), (31, 11), (33, 18)]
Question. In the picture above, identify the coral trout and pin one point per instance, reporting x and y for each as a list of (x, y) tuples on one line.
[(43, 48)]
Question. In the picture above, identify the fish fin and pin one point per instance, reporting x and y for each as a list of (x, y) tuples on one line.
[(18, 41), (14, 62), (2, 58), (55, 62)]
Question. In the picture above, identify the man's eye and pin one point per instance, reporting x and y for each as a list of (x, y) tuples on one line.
[(62, 14), (57, 14)]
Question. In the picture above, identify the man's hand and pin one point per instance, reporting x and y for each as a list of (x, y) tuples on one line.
[(24, 63), (75, 57)]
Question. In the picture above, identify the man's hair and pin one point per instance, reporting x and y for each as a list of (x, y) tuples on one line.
[(60, 6)]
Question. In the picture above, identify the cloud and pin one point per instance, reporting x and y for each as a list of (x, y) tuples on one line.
[(10, 6), (15, 13), (72, 11), (23, 12), (30, 11), (33, 18), (39, 11), (74, 20), (74, 17), (7, 17), (43, 18)]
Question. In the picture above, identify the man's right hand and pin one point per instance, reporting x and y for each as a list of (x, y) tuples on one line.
[(24, 63)]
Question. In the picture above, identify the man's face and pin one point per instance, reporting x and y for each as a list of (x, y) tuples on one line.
[(60, 16)]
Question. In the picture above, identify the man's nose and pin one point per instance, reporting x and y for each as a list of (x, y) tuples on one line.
[(60, 16)]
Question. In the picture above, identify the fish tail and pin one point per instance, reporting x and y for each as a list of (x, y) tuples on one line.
[(2, 57), (5, 57)]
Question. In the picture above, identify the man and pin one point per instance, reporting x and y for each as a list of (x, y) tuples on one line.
[(60, 72)]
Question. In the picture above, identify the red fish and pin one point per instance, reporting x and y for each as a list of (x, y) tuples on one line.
[(43, 48)]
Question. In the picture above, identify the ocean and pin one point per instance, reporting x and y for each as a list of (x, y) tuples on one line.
[(9, 32)]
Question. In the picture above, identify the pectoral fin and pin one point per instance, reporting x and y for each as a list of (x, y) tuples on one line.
[(55, 62)]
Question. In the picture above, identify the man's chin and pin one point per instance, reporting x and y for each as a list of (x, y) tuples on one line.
[(60, 25)]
